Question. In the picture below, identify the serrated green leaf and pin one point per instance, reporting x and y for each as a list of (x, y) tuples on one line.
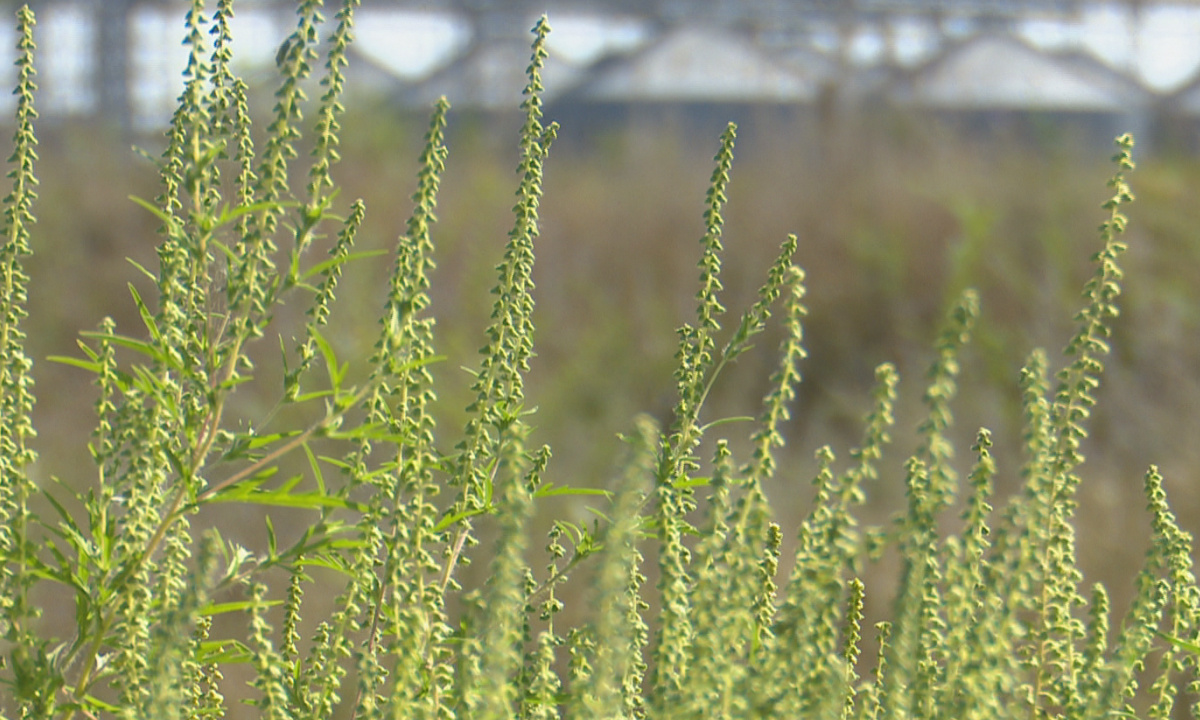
[(228, 215), (93, 367), (142, 269), (271, 545), (313, 463), (726, 421), (305, 397), (1181, 644), (224, 652), (247, 491), (237, 606), (140, 346), (548, 490), (333, 262), (147, 316), (155, 210)]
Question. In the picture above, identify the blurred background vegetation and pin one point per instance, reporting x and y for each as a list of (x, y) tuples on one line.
[(897, 211)]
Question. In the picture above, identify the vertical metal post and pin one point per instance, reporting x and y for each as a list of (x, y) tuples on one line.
[(113, 67)]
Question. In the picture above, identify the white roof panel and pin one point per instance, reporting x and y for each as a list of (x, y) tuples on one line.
[(699, 64)]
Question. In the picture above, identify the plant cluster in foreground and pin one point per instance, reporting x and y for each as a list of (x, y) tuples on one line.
[(990, 622)]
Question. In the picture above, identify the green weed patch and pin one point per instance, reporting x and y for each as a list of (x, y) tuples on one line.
[(989, 621)]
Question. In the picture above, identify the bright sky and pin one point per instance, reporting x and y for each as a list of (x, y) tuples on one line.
[(1159, 46), (412, 43)]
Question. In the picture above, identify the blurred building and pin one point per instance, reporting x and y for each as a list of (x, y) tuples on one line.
[(122, 59)]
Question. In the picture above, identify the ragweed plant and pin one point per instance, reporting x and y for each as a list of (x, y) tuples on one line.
[(988, 622)]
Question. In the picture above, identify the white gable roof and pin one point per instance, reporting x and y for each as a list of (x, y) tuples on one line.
[(1000, 72), (700, 64)]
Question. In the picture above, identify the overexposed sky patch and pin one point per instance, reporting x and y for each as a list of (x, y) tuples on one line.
[(1158, 45), (913, 40), (1048, 34), (67, 77), (410, 44), (8, 73), (1168, 46), (584, 39), (1108, 31), (866, 46), (257, 35)]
